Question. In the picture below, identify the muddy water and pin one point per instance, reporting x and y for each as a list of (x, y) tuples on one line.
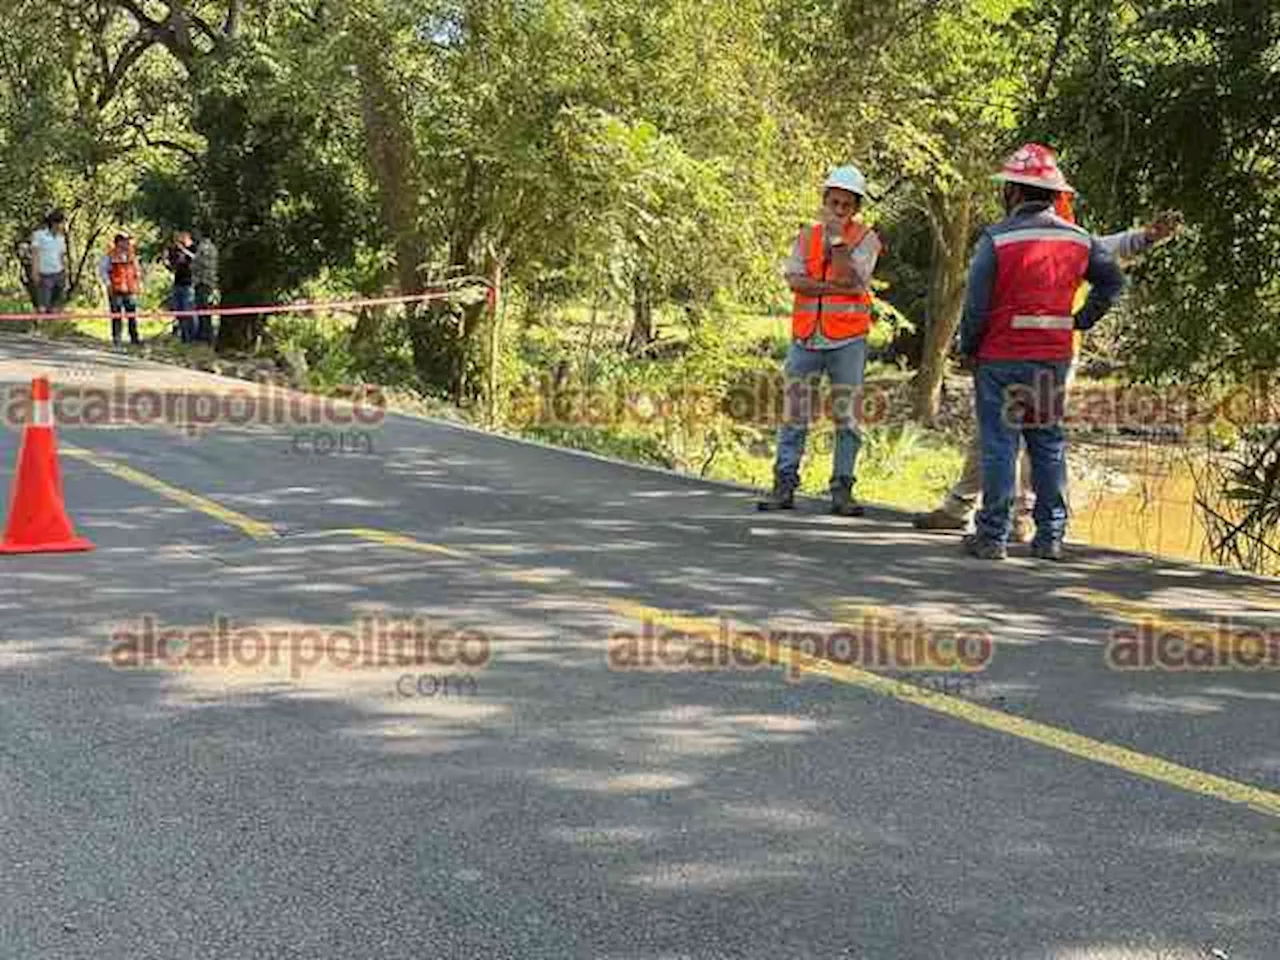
[(1142, 499)]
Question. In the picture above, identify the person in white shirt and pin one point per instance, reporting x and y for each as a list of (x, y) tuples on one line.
[(49, 263)]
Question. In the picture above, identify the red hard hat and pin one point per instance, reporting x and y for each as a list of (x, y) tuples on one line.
[(1037, 166)]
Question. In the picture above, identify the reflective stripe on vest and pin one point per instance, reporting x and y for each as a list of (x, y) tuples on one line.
[(1032, 234), (838, 316), (1024, 322)]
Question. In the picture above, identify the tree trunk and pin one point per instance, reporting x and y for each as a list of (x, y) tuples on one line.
[(240, 280), (393, 162), (364, 335), (434, 338), (643, 332), (495, 341), (952, 218)]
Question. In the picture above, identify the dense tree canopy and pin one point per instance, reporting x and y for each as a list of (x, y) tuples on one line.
[(649, 152), (648, 155)]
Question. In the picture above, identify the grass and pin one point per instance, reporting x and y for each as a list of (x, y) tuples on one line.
[(902, 466)]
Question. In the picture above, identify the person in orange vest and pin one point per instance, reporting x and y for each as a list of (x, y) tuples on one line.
[(829, 272), (121, 275), (1017, 332), (959, 505)]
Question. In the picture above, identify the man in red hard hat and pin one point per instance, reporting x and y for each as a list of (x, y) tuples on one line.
[(1018, 330), (960, 504)]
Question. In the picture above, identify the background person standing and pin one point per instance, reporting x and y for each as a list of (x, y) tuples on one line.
[(205, 272), (121, 275), (180, 259), (829, 272), (49, 263)]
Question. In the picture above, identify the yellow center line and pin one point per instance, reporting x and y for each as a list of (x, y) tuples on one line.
[(1216, 635), (1055, 738), (254, 528), (388, 538)]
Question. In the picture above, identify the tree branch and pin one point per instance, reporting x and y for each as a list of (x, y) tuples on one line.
[(155, 26), (1066, 22), (231, 24), (130, 55)]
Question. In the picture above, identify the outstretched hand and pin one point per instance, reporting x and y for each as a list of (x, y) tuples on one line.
[(1167, 224)]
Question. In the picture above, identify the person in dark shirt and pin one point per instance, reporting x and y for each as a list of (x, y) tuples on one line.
[(180, 258)]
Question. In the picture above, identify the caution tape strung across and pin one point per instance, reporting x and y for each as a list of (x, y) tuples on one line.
[(303, 307)]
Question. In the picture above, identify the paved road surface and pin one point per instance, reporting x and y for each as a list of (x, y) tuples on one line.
[(549, 802)]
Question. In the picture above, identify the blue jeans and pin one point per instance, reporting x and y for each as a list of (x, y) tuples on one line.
[(845, 366), (1022, 398), (184, 299), (122, 305)]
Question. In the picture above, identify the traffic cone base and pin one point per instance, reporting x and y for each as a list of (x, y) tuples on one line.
[(66, 546), (38, 521)]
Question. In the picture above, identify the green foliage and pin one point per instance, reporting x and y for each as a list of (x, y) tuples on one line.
[(606, 441), (281, 196), (1176, 105)]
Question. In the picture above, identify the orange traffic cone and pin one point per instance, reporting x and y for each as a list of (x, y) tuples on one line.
[(37, 518)]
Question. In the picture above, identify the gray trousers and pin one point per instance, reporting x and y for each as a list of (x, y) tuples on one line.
[(963, 498)]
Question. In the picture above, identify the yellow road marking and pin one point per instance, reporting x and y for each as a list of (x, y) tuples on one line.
[(389, 538), (1216, 635), (1064, 741), (254, 528)]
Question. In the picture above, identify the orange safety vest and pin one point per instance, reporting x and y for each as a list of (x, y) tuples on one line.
[(839, 316), (124, 272)]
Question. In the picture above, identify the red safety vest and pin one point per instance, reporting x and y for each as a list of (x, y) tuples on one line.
[(838, 316), (1039, 268), (124, 272)]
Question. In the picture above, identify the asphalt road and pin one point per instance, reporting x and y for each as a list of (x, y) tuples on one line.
[(276, 799)]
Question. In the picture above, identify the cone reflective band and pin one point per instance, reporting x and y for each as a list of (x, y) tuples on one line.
[(41, 406), (38, 521)]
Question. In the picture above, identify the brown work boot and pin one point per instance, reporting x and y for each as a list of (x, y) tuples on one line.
[(1023, 529), (938, 520)]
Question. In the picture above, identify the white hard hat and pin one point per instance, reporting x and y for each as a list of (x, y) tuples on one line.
[(847, 178)]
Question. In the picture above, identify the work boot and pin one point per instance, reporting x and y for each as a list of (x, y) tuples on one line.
[(1023, 529), (842, 502), (782, 497), (938, 520), (984, 549), (1048, 551)]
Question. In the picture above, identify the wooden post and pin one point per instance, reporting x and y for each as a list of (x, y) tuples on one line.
[(495, 296)]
